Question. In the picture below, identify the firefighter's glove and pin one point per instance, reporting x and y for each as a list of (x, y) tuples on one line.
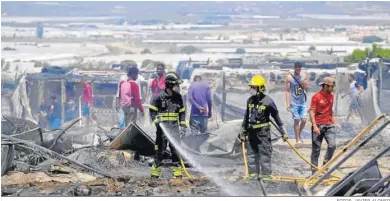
[(243, 135), (284, 133), (157, 120)]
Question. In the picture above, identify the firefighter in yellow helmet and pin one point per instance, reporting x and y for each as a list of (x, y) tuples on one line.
[(256, 127)]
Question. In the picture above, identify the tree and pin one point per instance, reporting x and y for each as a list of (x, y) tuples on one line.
[(312, 48), (372, 39), (146, 63), (146, 51), (128, 63), (189, 49), (358, 54), (240, 51)]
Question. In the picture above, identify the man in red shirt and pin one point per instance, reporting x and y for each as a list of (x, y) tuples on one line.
[(129, 96), (158, 83), (323, 121), (87, 101)]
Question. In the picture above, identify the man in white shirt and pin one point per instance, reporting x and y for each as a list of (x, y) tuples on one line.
[(355, 90)]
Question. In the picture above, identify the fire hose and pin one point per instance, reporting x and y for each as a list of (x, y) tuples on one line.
[(297, 152), (275, 178)]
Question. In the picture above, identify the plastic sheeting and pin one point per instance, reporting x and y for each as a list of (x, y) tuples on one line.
[(20, 102)]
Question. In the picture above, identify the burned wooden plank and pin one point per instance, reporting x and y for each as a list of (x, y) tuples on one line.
[(133, 138), (7, 158), (55, 155)]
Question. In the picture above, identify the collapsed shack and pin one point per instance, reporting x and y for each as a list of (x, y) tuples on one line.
[(68, 89), (92, 156)]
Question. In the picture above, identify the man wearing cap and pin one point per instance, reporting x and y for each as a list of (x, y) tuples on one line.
[(296, 100), (323, 121)]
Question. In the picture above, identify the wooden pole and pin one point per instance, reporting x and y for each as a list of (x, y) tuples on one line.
[(63, 101), (223, 97)]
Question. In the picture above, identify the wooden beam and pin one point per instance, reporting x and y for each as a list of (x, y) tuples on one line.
[(63, 101)]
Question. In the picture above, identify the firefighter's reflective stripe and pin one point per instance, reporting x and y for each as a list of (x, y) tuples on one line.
[(261, 107), (162, 119), (153, 107), (155, 147), (260, 125), (172, 74), (182, 110), (168, 114), (182, 123), (250, 106)]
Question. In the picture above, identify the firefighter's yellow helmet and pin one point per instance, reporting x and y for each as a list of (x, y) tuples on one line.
[(258, 81)]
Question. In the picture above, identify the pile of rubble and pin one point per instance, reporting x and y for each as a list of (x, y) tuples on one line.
[(84, 161)]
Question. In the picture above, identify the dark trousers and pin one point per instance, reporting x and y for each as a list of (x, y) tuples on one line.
[(161, 146), (329, 133), (260, 143)]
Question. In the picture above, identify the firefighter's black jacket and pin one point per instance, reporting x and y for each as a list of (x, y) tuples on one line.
[(168, 108), (259, 108)]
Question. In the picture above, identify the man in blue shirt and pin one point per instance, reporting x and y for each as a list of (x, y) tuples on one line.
[(199, 95)]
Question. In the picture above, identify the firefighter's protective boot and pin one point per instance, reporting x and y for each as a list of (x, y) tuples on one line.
[(155, 171), (177, 171)]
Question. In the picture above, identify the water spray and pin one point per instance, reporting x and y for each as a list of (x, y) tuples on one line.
[(226, 188)]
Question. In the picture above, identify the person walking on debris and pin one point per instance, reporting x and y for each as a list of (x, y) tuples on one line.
[(256, 126), (354, 94), (129, 96), (168, 107), (87, 102), (323, 121), (296, 100)]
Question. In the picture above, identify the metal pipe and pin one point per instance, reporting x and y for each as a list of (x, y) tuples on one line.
[(377, 184), (80, 114), (386, 191), (223, 105), (348, 179), (340, 153), (375, 133)]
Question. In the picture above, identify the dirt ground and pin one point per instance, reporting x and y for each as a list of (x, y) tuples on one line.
[(285, 163)]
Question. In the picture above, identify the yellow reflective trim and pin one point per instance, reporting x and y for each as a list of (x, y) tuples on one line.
[(183, 122), (153, 107), (169, 118), (182, 109), (166, 114), (172, 75), (262, 107), (250, 110), (155, 147), (261, 125)]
